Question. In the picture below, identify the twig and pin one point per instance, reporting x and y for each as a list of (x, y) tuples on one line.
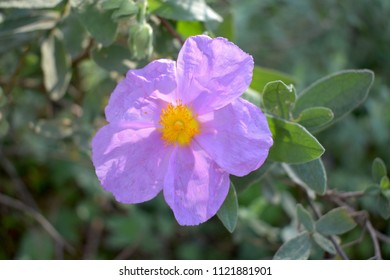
[(171, 30), (339, 250), (382, 237), (366, 224), (341, 203), (46, 225), (344, 195), (374, 239), (84, 54)]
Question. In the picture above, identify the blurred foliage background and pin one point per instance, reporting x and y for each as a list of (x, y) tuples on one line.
[(59, 62)]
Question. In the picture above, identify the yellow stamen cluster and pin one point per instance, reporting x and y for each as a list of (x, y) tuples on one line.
[(179, 124)]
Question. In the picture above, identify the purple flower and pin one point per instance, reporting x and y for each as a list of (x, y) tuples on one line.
[(182, 128)]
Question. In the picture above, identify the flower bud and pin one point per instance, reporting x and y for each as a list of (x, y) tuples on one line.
[(141, 40)]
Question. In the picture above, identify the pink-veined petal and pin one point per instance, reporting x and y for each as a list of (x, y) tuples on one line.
[(237, 137), (140, 96), (212, 72), (195, 187), (130, 163)]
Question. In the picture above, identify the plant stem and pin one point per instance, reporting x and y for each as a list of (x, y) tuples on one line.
[(344, 195), (374, 239), (142, 13), (382, 237)]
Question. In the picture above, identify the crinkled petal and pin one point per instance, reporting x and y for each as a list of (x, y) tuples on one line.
[(212, 72), (237, 137), (130, 163), (141, 95), (195, 187)]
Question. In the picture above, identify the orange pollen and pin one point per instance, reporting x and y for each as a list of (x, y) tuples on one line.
[(179, 124)]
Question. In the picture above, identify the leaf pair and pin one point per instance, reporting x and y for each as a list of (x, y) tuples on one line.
[(378, 195), (291, 117), (335, 222), (321, 104)]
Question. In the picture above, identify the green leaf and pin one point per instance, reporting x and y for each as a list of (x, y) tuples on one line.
[(112, 58), (126, 9), (25, 22), (383, 206), (313, 119), (241, 183), (288, 203), (324, 243), (56, 65), (35, 245), (98, 22), (228, 213), (19, 26), (310, 175), (378, 169), (278, 99), (54, 128), (262, 76), (305, 218), (113, 4), (341, 92), (75, 35), (189, 28), (372, 190), (95, 97), (29, 4), (127, 229), (297, 248), (226, 28), (188, 10), (379, 203), (63, 220), (10, 42), (335, 222), (292, 142)]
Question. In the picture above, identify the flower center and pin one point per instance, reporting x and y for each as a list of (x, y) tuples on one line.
[(179, 124)]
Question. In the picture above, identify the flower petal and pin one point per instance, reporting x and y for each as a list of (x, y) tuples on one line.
[(130, 163), (195, 187), (139, 96), (237, 137), (212, 72)]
